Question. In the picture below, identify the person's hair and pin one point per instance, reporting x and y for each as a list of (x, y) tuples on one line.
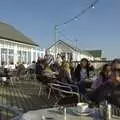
[(2, 63), (11, 63), (87, 66), (84, 59), (102, 73), (33, 61), (116, 61)]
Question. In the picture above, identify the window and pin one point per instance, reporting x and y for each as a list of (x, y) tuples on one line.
[(34, 56), (24, 57), (7, 55), (11, 56), (38, 54), (63, 54), (4, 55), (69, 56), (19, 56), (42, 55), (29, 57)]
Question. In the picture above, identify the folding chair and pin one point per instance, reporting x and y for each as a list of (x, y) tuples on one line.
[(64, 101), (66, 89), (74, 86), (52, 86)]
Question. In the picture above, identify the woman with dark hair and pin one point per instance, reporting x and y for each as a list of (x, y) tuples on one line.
[(104, 76), (82, 72), (110, 90)]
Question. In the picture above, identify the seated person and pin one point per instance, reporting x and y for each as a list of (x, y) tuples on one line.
[(65, 75), (103, 77), (82, 73), (109, 91)]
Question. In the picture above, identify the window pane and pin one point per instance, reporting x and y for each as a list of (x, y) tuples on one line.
[(11, 56), (29, 57), (11, 59), (19, 56), (3, 51), (4, 55), (11, 52), (24, 54), (34, 56)]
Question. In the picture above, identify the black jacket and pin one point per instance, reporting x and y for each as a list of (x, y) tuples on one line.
[(77, 72), (39, 68)]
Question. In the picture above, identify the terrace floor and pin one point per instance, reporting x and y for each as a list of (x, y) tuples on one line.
[(24, 95)]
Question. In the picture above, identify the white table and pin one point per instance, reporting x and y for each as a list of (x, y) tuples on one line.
[(51, 114)]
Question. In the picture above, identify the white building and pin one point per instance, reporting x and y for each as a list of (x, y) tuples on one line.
[(42, 52), (15, 47), (68, 51)]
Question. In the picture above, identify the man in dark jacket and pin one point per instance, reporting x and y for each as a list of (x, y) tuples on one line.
[(109, 91), (39, 67)]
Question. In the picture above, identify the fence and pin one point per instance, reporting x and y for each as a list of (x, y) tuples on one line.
[(97, 64)]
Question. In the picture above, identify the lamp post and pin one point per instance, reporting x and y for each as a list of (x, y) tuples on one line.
[(55, 30)]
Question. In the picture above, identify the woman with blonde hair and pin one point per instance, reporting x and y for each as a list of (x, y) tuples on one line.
[(65, 73)]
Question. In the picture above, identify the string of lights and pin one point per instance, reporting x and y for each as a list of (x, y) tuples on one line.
[(92, 5), (63, 35), (68, 38)]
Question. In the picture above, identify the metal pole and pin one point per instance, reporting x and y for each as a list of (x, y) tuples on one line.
[(55, 28), (65, 114), (76, 50)]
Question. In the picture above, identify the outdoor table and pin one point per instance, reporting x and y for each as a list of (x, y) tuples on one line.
[(53, 114)]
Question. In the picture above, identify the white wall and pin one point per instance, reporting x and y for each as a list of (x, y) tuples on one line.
[(77, 56), (16, 46)]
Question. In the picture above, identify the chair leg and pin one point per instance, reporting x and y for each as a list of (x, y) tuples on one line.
[(11, 80), (49, 93), (40, 89), (65, 114)]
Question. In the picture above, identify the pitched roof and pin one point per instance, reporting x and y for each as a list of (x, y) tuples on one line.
[(72, 47), (95, 53), (10, 33)]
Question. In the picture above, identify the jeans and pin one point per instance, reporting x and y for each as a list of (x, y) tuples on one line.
[(82, 86)]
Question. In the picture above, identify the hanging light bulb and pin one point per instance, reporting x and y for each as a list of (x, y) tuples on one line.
[(76, 19), (93, 6)]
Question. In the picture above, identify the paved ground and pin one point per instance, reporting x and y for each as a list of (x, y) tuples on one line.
[(24, 95)]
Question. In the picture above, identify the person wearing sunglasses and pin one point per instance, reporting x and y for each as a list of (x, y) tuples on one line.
[(109, 91)]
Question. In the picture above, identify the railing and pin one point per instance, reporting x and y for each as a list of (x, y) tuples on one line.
[(15, 112), (115, 111)]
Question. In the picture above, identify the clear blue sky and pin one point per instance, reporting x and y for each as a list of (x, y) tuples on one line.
[(99, 28)]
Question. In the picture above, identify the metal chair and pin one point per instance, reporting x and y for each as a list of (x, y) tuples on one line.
[(17, 113), (66, 96)]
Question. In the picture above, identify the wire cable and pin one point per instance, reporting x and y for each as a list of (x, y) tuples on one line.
[(79, 14)]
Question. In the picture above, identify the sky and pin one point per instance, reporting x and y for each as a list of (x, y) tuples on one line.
[(98, 28)]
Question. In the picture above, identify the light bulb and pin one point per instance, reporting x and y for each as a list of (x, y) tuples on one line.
[(76, 19), (93, 6)]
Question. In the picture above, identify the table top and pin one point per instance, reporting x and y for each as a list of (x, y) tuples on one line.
[(52, 114)]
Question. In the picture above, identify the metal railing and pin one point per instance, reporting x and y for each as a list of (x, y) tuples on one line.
[(15, 112)]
